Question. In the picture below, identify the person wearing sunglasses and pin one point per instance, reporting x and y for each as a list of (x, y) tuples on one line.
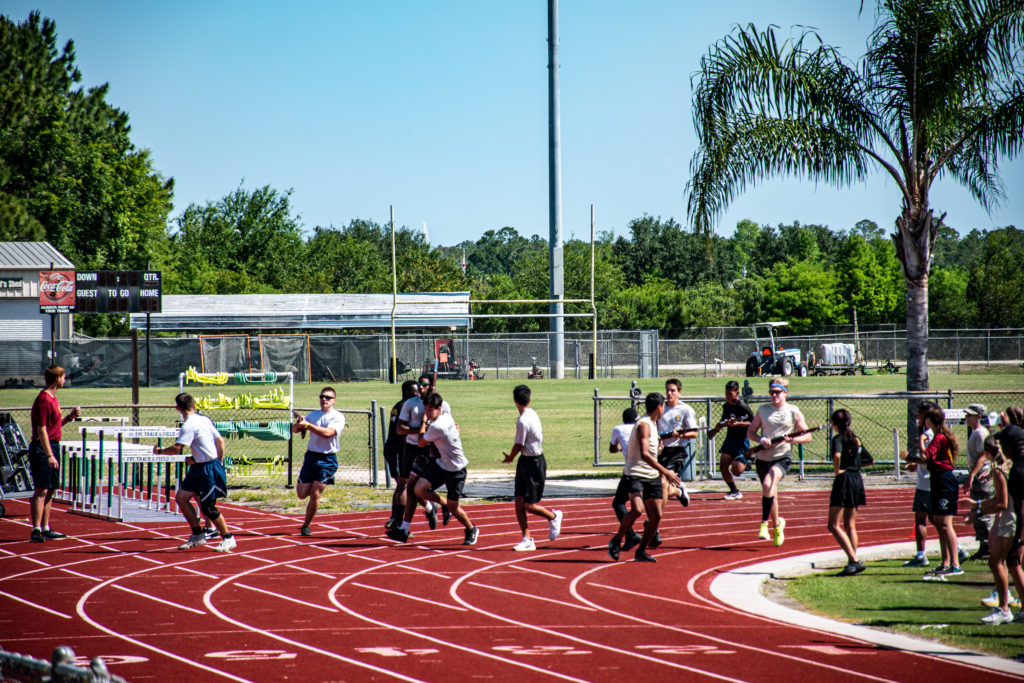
[(321, 460), (772, 420)]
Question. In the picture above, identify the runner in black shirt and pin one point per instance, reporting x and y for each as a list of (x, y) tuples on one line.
[(736, 417)]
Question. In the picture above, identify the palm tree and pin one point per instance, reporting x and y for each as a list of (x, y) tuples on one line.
[(939, 93)]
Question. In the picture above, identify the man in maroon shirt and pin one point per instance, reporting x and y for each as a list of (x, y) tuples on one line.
[(43, 452)]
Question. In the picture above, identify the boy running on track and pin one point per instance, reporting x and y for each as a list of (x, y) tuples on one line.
[(677, 428), (205, 480), (644, 477), (394, 446), (777, 419), (531, 471), (736, 416), (415, 458), (321, 459), (43, 451), (619, 444), (439, 430)]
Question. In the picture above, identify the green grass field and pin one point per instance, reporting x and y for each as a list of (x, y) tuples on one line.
[(890, 597)]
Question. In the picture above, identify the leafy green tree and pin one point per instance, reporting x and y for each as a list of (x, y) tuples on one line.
[(69, 172), (996, 282), (938, 93), (803, 293), (948, 304), (868, 284)]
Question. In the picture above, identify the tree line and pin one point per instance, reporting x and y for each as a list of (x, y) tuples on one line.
[(70, 174)]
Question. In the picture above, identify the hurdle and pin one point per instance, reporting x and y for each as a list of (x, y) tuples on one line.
[(117, 480)]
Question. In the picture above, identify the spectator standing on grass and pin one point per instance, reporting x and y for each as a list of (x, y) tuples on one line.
[(939, 455), (205, 479), (448, 469), (847, 489), (416, 457), (922, 505), (43, 452), (619, 444), (1011, 441), (531, 471), (979, 485), (644, 477), (736, 418), (394, 447), (321, 460), (1001, 535), (778, 419)]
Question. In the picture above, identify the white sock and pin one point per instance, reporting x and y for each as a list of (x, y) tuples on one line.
[(405, 526), (429, 506), (920, 553), (45, 527)]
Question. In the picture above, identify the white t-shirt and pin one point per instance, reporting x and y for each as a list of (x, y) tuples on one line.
[(679, 416), (445, 436), (924, 480), (620, 435), (776, 422), (529, 434), (975, 447), (200, 436), (332, 419), (636, 466), (412, 413)]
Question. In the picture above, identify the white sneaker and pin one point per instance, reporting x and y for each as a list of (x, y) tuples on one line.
[(226, 545), (998, 616), (733, 495), (992, 600), (684, 495), (555, 526), (527, 544), (194, 541)]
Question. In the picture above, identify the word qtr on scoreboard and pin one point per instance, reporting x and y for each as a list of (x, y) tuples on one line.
[(117, 291)]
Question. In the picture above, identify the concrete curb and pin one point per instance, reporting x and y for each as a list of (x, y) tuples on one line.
[(741, 589)]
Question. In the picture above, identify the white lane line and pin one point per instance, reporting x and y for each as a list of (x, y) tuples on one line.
[(32, 604), (561, 603), (32, 559), (8, 552), (358, 554), (406, 596), (83, 576), (309, 571), (258, 559), (657, 597), (197, 572), (143, 558), (423, 571), (535, 571), (328, 526), (471, 556), (156, 599), (285, 597)]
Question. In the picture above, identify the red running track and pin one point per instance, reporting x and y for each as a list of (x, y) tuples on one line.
[(349, 604)]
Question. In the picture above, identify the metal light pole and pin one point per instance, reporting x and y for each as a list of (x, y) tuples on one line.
[(556, 269)]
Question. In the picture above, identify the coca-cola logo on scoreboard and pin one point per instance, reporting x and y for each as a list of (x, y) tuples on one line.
[(56, 291)]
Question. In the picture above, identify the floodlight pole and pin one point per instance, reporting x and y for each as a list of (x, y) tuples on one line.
[(394, 301), (593, 307), (556, 268)]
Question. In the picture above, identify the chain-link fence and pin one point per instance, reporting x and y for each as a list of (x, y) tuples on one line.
[(260, 449), (883, 422)]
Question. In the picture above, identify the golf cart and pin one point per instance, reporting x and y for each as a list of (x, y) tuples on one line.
[(768, 358)]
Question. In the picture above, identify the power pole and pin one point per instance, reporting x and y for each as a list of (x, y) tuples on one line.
[(556, 269)]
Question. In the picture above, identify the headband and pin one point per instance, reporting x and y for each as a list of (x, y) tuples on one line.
[(776, 385)]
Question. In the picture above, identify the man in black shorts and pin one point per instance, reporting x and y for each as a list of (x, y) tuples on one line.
[(394, 448), (415, 458), (736, 417)]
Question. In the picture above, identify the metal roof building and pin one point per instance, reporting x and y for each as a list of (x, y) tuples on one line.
[(222, 312), (20, 319)]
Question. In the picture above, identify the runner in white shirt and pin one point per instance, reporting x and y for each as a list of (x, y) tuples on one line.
[(619, 444), (416, 458), (205, 480), (677, 428), (531, 471), (321, 460)]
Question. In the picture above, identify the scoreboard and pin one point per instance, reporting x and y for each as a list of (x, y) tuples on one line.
[(117, 291)]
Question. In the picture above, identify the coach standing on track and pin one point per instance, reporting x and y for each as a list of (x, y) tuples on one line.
[(42, 453), (321, 459), (531, 471), (205, 480)]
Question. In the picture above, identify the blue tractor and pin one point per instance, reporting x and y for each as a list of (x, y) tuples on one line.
[(768, 358)]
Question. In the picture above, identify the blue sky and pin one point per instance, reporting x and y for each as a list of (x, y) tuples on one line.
[(440, 108)]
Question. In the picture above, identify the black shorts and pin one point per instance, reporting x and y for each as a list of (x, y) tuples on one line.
[(410, 455), (765, 466), (531, 471), (621, 492), (647, 488), (393, 458), (207, 480), (847, 491), (318, 467), (675, 458), (738, 451), (923, 501), (945, 493), (44, 476), (440, 477)]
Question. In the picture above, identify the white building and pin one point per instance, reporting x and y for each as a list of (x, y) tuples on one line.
[(20, 265)]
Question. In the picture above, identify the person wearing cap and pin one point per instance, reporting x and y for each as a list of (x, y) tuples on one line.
[(979, 485), (777, 419)]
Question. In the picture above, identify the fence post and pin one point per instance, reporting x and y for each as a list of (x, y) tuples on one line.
[(373, 443), (291, 440), (597, 427), (707, 442), (896, 452)]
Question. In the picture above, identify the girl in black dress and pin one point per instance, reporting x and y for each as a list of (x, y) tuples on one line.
[(847, 489)]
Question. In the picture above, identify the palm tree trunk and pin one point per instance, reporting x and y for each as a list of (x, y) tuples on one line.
[(917, 334)]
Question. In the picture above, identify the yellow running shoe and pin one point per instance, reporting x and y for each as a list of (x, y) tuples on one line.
[(762, 533), (778, 537)]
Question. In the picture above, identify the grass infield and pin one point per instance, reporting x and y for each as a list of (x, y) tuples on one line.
[(890, 597)]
